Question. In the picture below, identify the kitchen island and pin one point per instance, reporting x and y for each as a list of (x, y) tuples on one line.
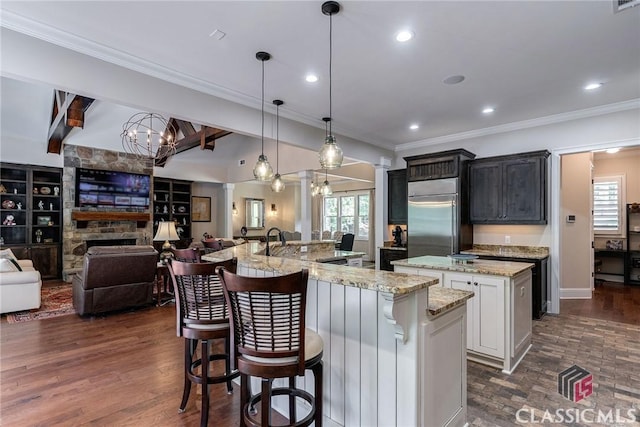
[(394, 344), (498, 316)]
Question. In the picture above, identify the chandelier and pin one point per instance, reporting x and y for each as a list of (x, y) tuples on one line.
[(149, 135), (330, 154)]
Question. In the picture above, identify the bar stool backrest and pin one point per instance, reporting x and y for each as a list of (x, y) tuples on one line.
[(268, 316), (200, 302), (187, 255)]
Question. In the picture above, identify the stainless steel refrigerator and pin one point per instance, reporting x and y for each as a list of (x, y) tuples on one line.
[(435, 218)]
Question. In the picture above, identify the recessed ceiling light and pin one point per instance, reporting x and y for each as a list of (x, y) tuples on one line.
[(592, 86), (488, 110), (414, 127), (311, 78), (404, 36), (613, 150), (453, 80)]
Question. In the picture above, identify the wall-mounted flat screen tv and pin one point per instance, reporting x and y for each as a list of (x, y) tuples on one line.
[(111, 189)]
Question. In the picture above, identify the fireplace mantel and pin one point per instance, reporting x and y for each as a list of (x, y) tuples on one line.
[(82, 217)]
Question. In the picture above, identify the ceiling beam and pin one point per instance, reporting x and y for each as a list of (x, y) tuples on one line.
[(205, 138), (67, 112)]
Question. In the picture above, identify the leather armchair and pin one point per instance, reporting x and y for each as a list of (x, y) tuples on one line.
[(115, 278)]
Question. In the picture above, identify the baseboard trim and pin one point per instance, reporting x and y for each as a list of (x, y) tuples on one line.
[(575, 293)]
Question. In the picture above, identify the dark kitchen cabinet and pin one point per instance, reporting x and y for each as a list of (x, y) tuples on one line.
[(509, 189), (444, 164), (387, 255), (397, 198)]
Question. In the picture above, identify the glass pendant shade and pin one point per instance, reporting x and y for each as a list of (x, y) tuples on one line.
[(277, 184), (330, 154), (262, 170), (326, 190)]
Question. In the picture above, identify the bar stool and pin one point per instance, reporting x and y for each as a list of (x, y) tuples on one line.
[(186, 255), (202, 316), (268, 330)]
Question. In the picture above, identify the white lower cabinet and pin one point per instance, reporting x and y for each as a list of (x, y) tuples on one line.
[(485, 312)]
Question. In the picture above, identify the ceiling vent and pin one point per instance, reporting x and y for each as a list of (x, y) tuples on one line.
[(620, 5)]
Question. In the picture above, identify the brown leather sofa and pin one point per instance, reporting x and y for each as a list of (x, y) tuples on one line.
[(115, 278)]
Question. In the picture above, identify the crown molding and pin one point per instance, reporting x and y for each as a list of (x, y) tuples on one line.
[(525, 124)]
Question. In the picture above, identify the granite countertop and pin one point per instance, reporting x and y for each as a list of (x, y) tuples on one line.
[(476, 266), (440, 299), (444, 299), (527, 252)]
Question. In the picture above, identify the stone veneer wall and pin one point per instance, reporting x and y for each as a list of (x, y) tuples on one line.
[(73, 238)]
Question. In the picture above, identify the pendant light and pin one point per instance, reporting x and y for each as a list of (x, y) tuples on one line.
[(277, 184), (326, 190), (330, 154), (262, 170)]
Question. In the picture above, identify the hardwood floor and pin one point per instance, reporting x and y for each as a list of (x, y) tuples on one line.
[(611, 301), (125, 369)]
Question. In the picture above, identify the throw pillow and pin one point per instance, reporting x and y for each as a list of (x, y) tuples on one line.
[(6, 266), (7, 253)]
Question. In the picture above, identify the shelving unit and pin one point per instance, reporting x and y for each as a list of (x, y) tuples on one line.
[(33, 197), (172, 202), (632, 262)]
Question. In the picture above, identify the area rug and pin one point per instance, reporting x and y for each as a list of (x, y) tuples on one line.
[(55, 301)]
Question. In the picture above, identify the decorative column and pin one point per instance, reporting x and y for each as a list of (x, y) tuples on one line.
[(381, 208), (228, 209), (306, 203)]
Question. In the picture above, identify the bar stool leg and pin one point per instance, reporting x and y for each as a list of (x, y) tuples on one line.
[(227, 361), (292, 401), (204, 417), (317, 379), (189, 349), (265, 399)]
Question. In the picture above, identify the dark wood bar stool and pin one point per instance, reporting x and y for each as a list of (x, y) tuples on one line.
[(211, 245), (268, 329), (202, 316), (187, 255)]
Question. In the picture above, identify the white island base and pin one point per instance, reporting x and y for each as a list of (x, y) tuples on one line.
[(386, 361)]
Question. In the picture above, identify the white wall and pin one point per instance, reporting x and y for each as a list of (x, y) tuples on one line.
[(575, 242)]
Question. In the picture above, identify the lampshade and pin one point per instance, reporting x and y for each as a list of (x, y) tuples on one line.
[(166, 231), (262, 170), (149, 135), (330, 154)]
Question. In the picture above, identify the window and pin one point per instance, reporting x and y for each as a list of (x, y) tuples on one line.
[(348, 214), (608, 200)]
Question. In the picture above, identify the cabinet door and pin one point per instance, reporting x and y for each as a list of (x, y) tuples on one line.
[(485, 192), (46, 260), (522, 183), (489, 323), (397, 199)]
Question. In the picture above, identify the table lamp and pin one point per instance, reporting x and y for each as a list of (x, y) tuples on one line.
[(166, 231)]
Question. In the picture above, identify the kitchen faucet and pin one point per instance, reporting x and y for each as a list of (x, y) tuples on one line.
[(280, 234)]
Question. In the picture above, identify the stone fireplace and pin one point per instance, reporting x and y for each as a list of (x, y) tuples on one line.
[(82, 225)]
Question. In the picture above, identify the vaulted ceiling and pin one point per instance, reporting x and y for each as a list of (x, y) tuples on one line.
[(527, 59)]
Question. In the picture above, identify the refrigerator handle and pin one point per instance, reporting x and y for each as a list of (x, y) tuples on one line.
[(453, 225)]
